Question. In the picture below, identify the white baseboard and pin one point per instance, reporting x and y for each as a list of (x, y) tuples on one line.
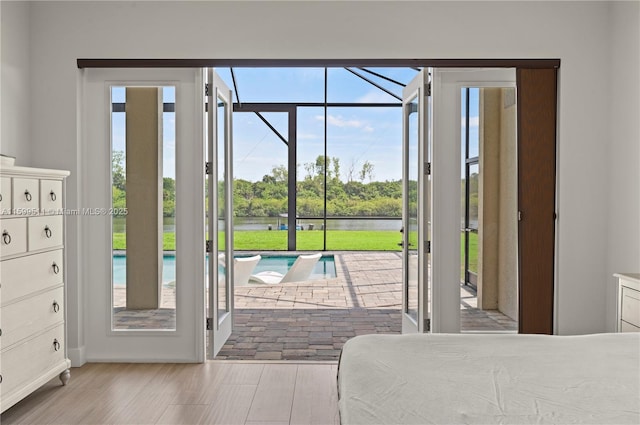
[(115, 359), (77, 356)]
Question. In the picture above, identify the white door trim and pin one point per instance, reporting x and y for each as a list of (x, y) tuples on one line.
[(186, 342), (446, 157)]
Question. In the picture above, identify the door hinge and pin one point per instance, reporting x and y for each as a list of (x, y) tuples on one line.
[(555, 215), (427, 325), (427, 89), (427, 247), (206, 89), (208, 246), (519, 215), (209, 323), (427, 168), (208, 168)]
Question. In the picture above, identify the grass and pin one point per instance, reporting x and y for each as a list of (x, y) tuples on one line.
[(473, 253), (168, 243), (275, 240), (312, 240)]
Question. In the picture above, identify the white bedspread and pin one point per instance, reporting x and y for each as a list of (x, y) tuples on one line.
[(490, 379)]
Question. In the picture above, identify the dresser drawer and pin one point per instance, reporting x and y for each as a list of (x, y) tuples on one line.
[(45, 232), (25, 275), (5, 195), (29, 360), (25, 318), (630, 306), (13, 239), (50, 196), (26, 194)]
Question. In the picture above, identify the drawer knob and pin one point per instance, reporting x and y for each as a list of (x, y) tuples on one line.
[(56, 345), (47, 231), (27, 195), (56, 268), (6, 238), (56, 307), (53, 196)]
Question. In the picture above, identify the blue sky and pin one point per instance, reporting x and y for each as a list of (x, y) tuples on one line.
[(354, 135)]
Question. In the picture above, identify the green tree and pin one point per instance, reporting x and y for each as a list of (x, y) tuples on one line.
[(168, 197), (367, 171), (118, 171), (119, 199)]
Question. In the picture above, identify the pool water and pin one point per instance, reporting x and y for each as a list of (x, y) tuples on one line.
[(324, 269)]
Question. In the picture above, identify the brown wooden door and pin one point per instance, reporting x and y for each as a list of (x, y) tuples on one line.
[(537, 107)]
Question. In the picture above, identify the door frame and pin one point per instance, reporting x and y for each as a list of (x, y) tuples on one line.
[(185, 343), (219, 326), (529, 64), (447, 109)]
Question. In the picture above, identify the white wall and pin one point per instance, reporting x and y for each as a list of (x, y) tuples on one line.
[(577, 33), (623, 171), (15, 123)]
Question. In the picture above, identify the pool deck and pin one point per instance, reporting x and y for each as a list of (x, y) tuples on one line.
[(311, 320)]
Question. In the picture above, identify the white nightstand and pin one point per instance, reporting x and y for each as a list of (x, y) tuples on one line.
[(628, 317)]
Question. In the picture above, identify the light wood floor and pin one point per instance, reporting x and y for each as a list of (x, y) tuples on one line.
[(217, 392)]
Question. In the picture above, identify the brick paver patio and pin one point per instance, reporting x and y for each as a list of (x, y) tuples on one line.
[(312, 320)]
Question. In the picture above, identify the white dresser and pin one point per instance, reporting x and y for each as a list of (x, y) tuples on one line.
[(32, 286), (628, 319)]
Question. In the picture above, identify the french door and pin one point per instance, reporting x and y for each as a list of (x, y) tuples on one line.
[(219, 212), (416, 205), (142, 215)]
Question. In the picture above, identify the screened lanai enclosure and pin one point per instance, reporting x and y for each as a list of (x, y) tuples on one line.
[(317, 157)]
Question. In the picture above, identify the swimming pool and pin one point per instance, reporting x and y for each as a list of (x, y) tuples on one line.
[(324, 269)]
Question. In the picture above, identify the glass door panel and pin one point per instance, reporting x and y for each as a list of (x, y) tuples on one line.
[(223, 260), (220, 207), (470, 184), (143, 190), (415, 206), (488, 251), (411, 206)]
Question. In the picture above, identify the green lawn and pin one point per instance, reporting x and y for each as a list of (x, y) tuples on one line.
[(473, 252), (312, 240), (274, 240)]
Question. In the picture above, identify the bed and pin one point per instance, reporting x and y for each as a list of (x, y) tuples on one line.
[(490, 379)]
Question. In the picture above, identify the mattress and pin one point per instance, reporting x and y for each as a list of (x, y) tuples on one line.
[(490, 379)]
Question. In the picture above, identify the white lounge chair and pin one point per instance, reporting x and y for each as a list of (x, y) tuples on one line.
[(299, 271), (242, 268)]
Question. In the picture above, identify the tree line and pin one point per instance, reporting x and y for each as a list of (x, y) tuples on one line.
[(358, 196), (355, 197)]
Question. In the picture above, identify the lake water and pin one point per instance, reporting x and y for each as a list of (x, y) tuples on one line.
[(324, 269), (262, 223)]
